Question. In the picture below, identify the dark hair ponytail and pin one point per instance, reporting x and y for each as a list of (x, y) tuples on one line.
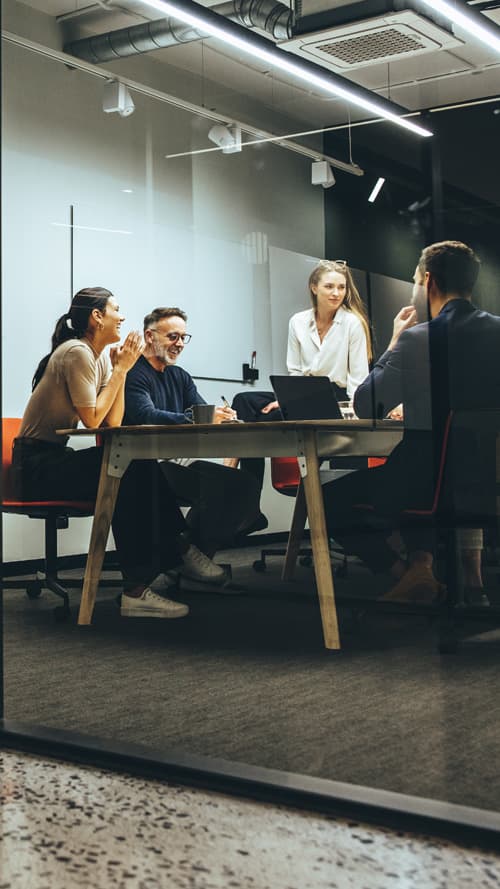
[(74, 324)]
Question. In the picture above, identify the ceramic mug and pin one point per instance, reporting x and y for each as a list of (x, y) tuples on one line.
[(201, 413)]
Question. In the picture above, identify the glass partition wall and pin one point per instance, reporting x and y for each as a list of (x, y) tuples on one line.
[(97, 199)]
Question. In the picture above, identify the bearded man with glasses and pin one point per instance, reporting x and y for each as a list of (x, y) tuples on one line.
[(224, 502)]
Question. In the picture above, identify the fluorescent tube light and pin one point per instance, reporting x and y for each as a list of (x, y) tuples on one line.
[(469, 23), (376, 189), (277, 59)]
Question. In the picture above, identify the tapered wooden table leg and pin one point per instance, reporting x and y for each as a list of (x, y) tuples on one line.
[(319, 541), (107, 492), (296, 532)]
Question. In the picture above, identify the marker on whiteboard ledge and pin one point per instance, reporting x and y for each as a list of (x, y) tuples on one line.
[(250, 372)]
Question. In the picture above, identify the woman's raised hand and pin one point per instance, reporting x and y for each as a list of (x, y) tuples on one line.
[(124, 357)]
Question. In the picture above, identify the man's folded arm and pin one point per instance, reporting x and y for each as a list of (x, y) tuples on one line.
[(140, 409)]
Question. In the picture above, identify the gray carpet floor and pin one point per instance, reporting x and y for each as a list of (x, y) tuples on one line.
[(247, 679)]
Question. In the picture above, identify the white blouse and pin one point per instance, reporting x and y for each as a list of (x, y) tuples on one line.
[(342, 356)]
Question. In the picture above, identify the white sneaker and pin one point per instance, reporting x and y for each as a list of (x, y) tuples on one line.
[(149, 604), (197, 566), (162, 583)]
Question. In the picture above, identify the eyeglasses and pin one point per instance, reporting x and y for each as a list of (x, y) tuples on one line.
[(173, 337)]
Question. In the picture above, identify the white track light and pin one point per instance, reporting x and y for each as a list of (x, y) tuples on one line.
[(227, 139), (322, 174), (117, 98)]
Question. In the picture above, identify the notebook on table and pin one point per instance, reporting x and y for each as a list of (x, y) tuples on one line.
[(306, 398)]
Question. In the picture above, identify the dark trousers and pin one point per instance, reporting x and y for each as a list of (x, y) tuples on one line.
[(363, 508), (248, 406), (147, 521), (224, 502)]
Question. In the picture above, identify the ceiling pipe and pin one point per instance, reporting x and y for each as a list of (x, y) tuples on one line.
[(273, 17)]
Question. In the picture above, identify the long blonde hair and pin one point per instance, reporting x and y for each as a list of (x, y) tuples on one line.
[(352, 302)]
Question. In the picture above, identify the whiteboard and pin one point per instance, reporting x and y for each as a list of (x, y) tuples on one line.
[(288, 276)]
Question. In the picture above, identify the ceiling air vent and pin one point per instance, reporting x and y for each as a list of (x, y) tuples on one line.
[(384, 39)]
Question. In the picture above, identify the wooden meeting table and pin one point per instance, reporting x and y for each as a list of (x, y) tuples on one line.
[(308, 440)]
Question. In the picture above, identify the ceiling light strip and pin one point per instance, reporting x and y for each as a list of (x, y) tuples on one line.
[(206, 21), (376, 190), (469, 104), (474, 23), (283, 142)]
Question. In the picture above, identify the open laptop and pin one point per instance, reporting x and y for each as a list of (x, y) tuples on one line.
[(306, 398)]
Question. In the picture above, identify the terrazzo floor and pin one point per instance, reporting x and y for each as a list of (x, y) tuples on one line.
[(65, 826)]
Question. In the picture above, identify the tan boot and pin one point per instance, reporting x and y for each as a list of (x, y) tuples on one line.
[(417, 584)]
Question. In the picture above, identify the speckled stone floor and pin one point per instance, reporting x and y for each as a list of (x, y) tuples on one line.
[(65, 826)]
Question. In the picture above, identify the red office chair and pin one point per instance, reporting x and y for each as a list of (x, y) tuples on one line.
[(54, 513), (285, 477)]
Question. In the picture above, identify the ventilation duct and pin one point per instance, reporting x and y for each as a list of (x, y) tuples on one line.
[(273, 17), (367, 33)]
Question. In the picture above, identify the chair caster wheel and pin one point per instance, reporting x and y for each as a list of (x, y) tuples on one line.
[(61, 613), (259, 566), (305, 561), (33, 589)]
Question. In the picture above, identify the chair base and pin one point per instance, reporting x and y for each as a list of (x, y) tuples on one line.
[(305, 558), (52, 582)]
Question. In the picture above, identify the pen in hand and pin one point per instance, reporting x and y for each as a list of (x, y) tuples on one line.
[(227, 407)]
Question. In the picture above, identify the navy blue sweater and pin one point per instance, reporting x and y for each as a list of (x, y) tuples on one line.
[(158, 396)]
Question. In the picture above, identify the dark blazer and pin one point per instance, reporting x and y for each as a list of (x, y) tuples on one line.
[(448, 363)]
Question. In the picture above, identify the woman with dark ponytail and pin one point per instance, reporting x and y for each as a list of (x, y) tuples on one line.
[(80, 382)]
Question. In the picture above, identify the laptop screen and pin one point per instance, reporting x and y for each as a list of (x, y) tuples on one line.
[(306, 398)]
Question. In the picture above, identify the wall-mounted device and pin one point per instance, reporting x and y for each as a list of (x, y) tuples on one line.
[(249, 371)]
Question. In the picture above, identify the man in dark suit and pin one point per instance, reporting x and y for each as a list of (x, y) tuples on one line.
[(452, 361)]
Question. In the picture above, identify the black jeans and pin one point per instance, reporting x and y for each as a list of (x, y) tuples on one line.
[(224, 502), (147, 521), (248, 406)]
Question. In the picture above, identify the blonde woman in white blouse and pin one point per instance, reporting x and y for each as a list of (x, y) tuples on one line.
[(331, 339)]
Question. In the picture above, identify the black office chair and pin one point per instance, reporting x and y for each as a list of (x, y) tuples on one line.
[(285, 478)]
